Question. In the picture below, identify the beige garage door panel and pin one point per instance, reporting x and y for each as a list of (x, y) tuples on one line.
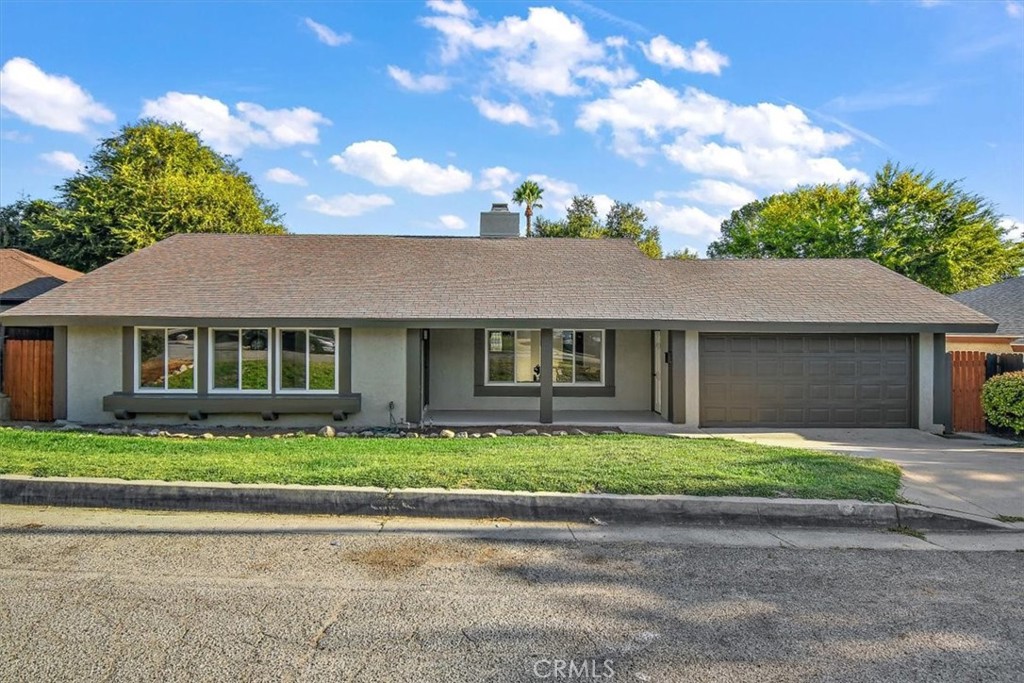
[(792, 380)]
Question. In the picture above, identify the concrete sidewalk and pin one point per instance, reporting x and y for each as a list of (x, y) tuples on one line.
[(974, 474)]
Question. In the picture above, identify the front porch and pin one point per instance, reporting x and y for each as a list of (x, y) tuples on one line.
[(560, 418)]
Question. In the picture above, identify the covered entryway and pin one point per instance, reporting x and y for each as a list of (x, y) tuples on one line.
[(806, 380)]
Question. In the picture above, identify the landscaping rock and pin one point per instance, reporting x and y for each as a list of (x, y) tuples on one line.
[(503, 432), (490, 435), (70, 427), (137, 432), (208, 435), (105, 431), (474, 435), (462, 435), (247, 436), (28, 428), (559, 433), (341, 435), (543, 434), (412, 435), (530, 432), (578, 432), (392, 435), (447, 434), (327, 431), (153, 432), (276, 436)]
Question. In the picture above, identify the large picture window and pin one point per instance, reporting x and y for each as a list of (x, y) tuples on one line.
[(308, 360), (513, 356), (165, 358), (241, 359)]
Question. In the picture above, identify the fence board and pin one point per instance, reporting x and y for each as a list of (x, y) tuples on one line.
[(28, 378), (969, 371)]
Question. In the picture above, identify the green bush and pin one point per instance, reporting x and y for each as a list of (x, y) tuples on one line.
[(1002, 398)]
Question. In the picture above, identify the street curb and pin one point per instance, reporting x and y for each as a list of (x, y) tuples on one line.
[(475, 504)]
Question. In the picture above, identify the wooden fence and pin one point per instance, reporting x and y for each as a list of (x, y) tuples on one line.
[(28, 378), (970, 370)]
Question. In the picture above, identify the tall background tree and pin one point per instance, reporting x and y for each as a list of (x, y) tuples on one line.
[(624, 221), (146, 183), (529, 194), (932, 231)]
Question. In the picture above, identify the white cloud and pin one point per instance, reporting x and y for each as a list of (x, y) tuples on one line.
[(700, 59), (298, 126), (15, 136), (547, 53), (905, 95), (714, 193), (1014, 10), (512, 113), (765, 144), (47, 100), (326, 35), (451, 222), (65, 161), (496, 177), (284, 177), (603, 203), (685, 220), (1014, 228), (378, 162), (347, 205), (229, 133), (557, 193), (425, 83), (455, 8)]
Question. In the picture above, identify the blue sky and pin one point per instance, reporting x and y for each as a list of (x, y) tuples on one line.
[(411, 117)]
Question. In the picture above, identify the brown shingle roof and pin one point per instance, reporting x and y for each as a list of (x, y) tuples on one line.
[(423, 278), (24, 276)]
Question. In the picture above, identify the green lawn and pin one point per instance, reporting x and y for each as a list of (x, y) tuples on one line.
[(612, 464)]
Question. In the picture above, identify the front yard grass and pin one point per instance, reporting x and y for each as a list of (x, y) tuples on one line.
[(587, 464)]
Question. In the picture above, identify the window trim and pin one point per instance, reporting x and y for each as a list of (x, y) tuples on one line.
[(280, 360), (212, 361), (137, 361), (515, 335)]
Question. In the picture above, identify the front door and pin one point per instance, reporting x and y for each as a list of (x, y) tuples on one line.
[(657, 371)]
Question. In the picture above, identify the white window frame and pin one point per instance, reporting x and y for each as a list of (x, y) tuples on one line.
[(515, 331), (280, 360), (212, 355), (137, 363)]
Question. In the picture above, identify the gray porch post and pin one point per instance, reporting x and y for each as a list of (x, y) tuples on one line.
[(413, 375), (547, 391), (943, 386), (677, 376), (60, 372)]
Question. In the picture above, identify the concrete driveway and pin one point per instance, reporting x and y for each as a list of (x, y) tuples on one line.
[(975, 474)]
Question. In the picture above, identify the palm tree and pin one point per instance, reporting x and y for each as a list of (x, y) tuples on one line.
[(529, 193)]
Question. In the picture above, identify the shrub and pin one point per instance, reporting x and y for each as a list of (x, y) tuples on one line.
[(1002, 398)]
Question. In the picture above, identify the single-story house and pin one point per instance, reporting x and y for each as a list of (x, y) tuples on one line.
[(1004, 303), (494, 329)]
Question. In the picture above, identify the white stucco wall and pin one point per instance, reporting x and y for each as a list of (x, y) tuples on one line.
[(378, 373), (94, 370), (452, 359)]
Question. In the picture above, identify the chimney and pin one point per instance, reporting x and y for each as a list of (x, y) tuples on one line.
[(499, 222)]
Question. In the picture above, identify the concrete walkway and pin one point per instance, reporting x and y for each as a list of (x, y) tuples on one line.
[(976, 474)]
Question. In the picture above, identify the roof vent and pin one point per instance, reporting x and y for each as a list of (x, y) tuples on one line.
[(499, 222)]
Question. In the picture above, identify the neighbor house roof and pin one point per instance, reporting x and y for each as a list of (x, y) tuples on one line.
[(24, 276), (1003, 302), (430, 279)]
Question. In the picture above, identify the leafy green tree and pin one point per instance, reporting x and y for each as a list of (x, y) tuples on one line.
[(930, 230), (529, 194), (625, 221), (684, 254), (19, 221), (629, 221), (148, 182)]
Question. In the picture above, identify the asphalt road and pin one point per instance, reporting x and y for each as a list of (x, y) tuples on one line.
[(144, 596)]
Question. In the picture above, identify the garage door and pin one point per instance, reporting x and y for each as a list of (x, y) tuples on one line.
[(810, 380)]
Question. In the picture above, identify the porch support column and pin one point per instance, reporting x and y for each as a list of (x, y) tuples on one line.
[(413, 375), (692, 374), (943, 386), (547, 391), (201, 362), (925, 372), (677, 376)]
